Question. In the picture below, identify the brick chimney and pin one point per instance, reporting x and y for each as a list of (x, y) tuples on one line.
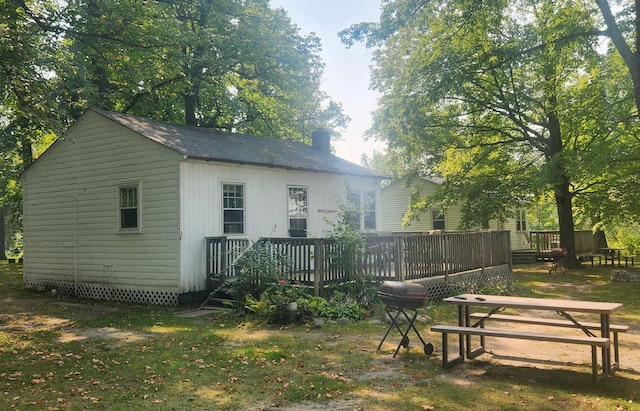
[(321, 140)]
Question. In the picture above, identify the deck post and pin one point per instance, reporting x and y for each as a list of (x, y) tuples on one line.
[(398, 258), (318, 270)]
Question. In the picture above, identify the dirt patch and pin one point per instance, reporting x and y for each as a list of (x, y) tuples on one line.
[(27, 322), (103, 333)]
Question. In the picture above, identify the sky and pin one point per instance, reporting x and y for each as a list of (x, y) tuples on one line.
[(346, 73)]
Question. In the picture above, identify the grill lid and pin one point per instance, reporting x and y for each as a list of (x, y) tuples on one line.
[(403, 295)]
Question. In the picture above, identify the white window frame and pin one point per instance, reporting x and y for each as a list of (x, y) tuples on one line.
[(137, 205), (521, 220), (366, 212), (360, 212), (438, 216), (297, 213), (243, 208)]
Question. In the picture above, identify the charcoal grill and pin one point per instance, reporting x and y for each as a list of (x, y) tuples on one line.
[(557, 256), (398, 298)]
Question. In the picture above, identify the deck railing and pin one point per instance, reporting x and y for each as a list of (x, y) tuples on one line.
[(544, 241), (318, 262)]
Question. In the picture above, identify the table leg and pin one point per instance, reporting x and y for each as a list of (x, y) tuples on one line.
[(606, 351), (463, 318)]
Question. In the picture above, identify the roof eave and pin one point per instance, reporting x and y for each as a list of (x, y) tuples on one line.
[(282, 167)]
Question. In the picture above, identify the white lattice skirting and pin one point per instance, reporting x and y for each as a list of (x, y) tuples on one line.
[(438, 287), (106, 292), (474, 281)]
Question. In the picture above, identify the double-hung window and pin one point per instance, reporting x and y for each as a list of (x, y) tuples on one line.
[(438, 219), (362, 209), (521, 219), (369, 210), (129, 207), (298, 211), (233, 208)]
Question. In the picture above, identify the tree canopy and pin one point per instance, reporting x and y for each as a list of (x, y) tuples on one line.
[(507, 101), (236, 65)]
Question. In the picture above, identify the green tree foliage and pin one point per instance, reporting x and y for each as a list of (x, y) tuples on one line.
[(506, 100), (236, 65), (27, 114), (623, 29)]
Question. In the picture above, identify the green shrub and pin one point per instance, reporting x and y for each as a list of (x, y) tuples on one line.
[(274, 304), (341, 306), (361, 288), (261, 266)]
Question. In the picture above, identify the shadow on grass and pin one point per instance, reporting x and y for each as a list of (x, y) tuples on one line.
[(224, 361)]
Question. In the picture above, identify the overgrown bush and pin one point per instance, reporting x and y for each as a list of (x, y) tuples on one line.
[(361, 288), (261, 284), (340, 306), (275, 304), (261, 266), (350, 245)]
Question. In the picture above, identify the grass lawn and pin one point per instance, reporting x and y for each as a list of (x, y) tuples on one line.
[(61, 353)]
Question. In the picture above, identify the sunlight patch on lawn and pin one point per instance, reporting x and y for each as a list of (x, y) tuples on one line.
[(103, 333), (380, 394), (25, 322), (217, 394), (11, 342), (163, 329), (240, 338)]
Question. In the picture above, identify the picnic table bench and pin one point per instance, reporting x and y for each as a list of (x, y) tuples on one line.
[(466, 329), (553, 322)]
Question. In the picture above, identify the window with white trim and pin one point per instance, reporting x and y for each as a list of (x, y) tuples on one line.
[(129, 207), (298, 211), (369, 210), (362, 213), (438, 219), (521, 219), (233, 214)]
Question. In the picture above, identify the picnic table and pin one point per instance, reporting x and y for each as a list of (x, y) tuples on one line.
[(611, 254), (474, 324)]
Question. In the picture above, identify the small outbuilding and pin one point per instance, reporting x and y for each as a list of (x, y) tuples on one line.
[(120, 206)]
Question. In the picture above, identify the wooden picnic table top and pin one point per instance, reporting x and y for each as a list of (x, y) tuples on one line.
[(533, 303)]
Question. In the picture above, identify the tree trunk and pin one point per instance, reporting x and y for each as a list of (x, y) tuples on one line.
[(562, 192), (190, 103), (565, 221), (631, 59), (3, 235)]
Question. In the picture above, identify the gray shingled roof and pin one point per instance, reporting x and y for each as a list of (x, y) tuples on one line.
[(214, 145)]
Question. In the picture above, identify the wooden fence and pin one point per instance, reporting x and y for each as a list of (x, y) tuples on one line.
[(318, 262)]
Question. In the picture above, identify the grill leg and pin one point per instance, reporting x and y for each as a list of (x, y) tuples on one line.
[(406, 333), (393, 324), (428, 348)]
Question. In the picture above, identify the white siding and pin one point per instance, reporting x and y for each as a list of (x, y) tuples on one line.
[(71, 209), (518, 238), (265, 206)]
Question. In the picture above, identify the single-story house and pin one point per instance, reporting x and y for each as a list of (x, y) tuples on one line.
[(119, 207), (395, 200)]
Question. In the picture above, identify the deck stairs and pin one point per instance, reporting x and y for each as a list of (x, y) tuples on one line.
[(523, 256)]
